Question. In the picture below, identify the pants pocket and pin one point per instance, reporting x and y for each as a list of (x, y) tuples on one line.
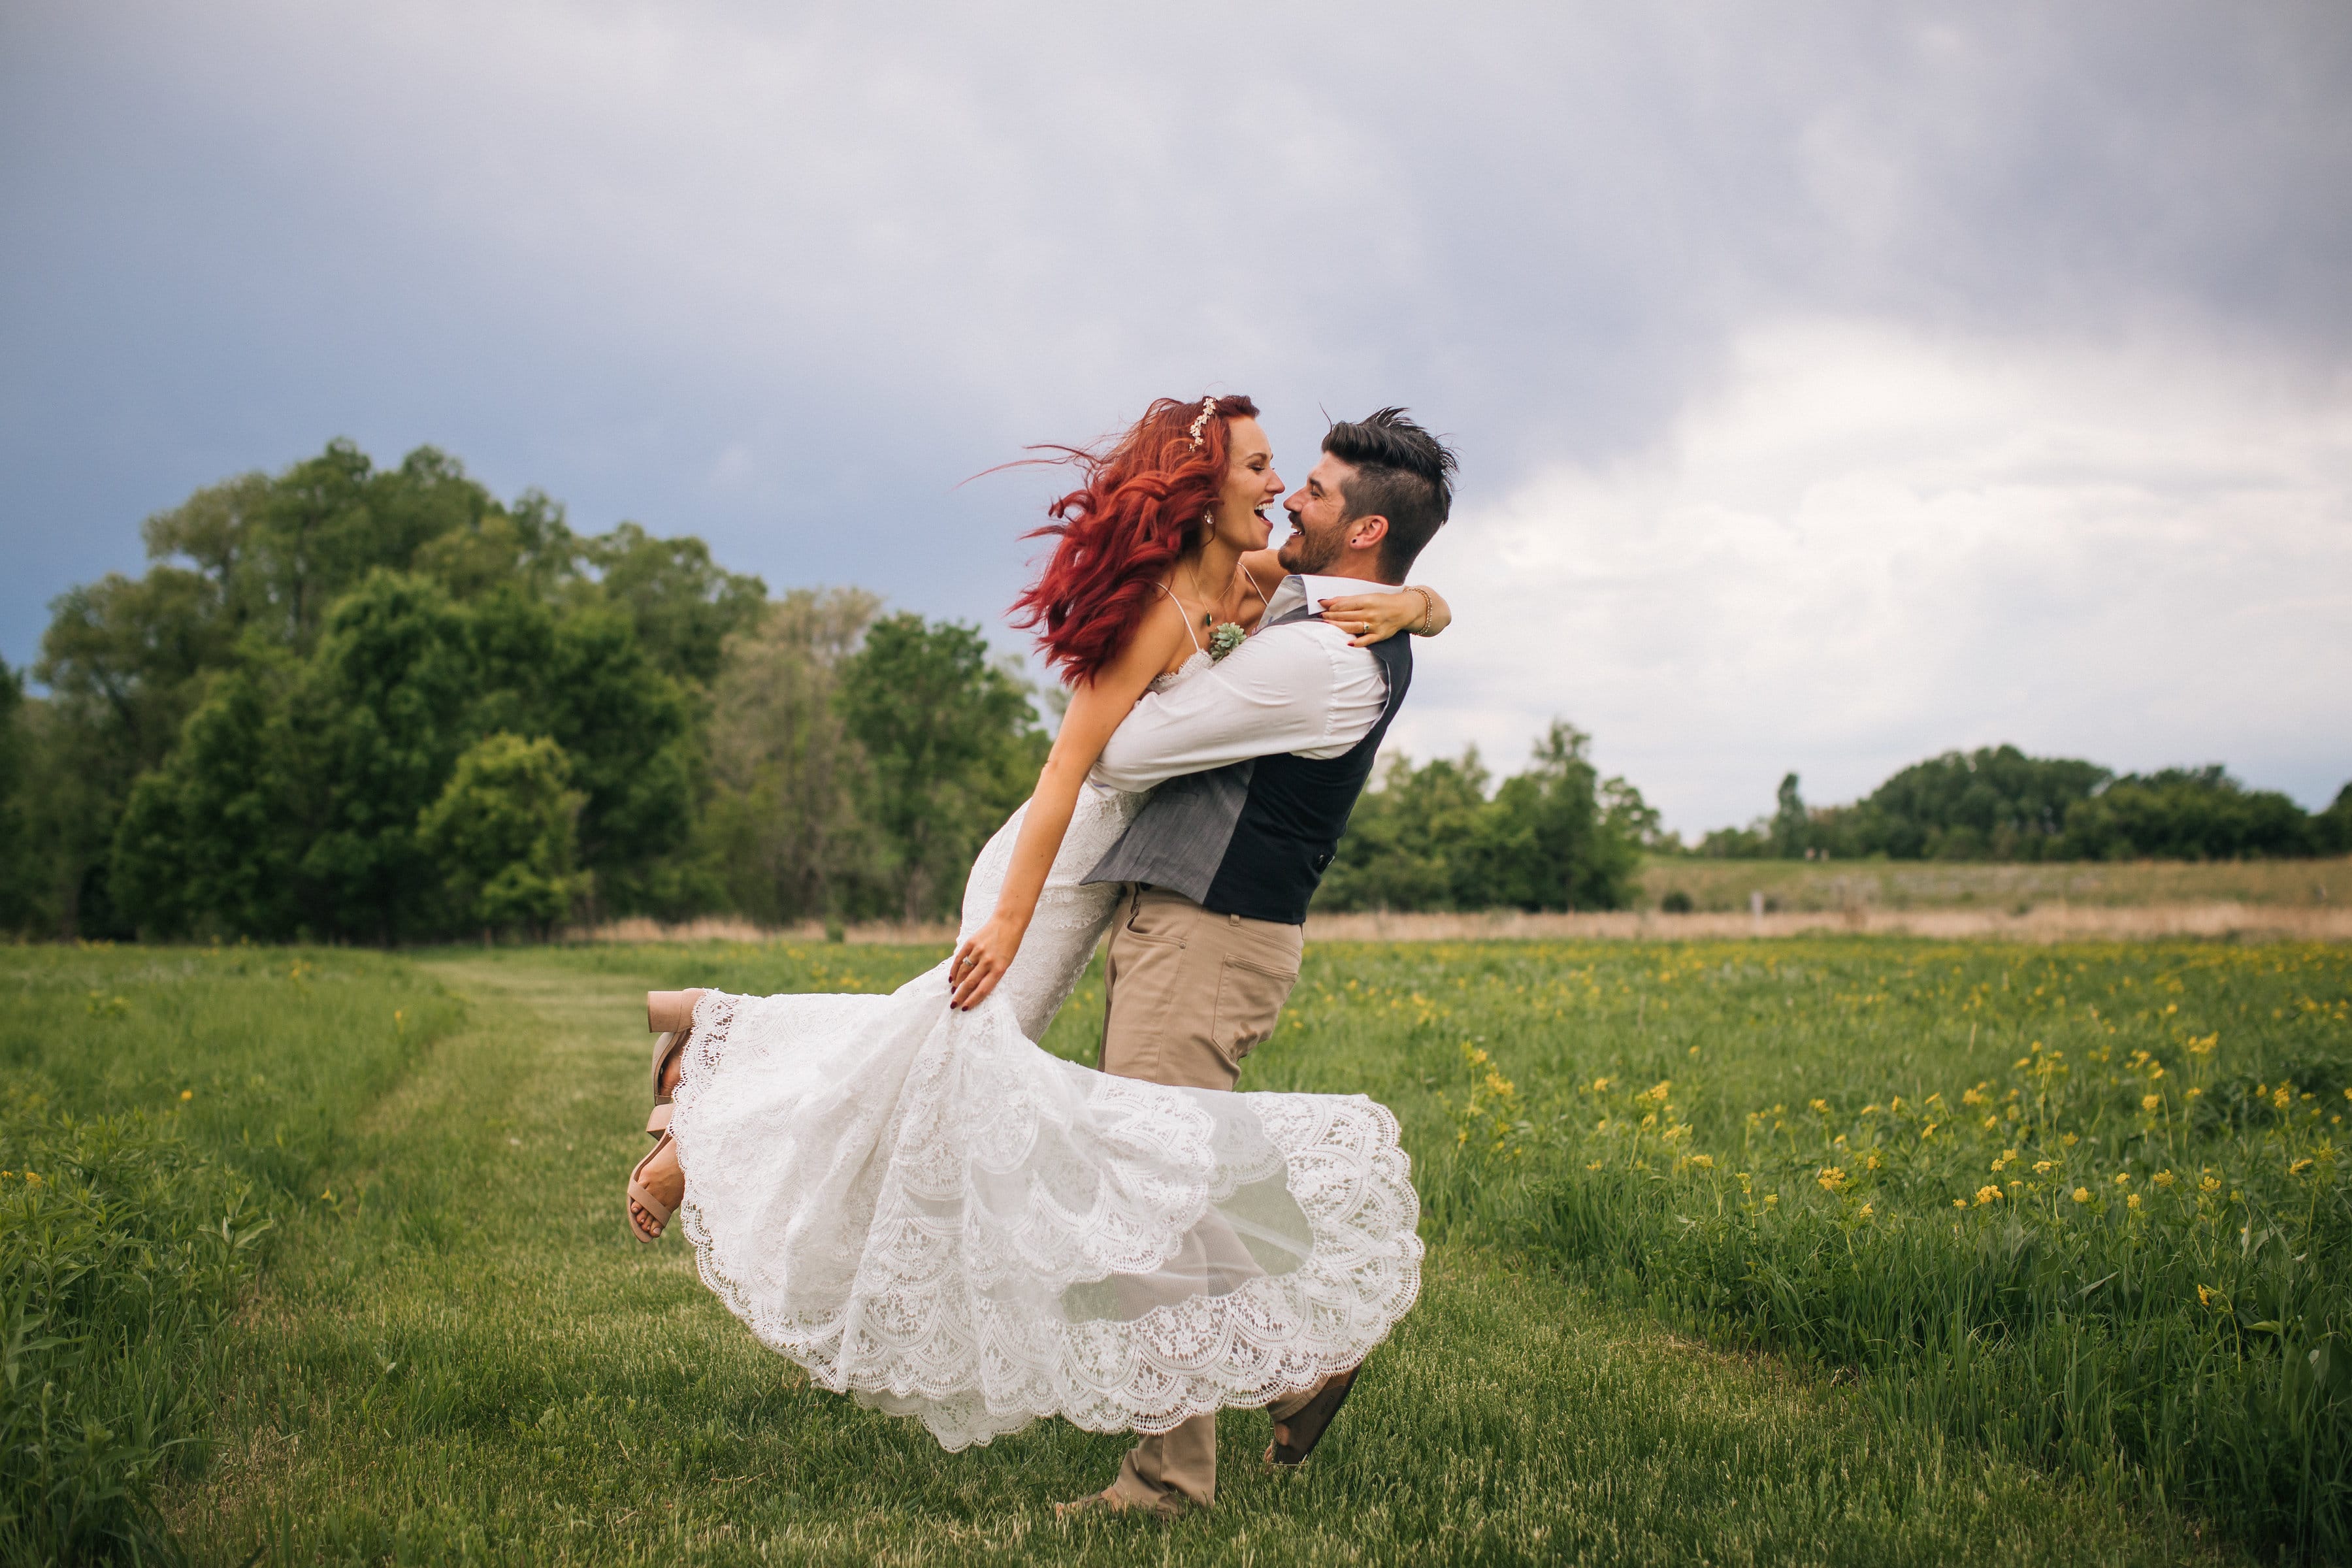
[(1249, 1002)]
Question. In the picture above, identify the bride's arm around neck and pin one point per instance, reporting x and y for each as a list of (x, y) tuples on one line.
[(1097, 708)]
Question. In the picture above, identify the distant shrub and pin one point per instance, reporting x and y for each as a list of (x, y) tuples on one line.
[(1557, 837)]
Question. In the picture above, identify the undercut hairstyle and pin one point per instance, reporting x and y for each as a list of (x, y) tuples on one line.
[(1403, 473)]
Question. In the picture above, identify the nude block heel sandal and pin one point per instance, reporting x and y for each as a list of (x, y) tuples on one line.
[(670, 1014)]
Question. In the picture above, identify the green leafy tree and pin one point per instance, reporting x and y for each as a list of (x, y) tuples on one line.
[(952, 744), (1994, 803), (781, 832), (20, 866), (125, 662), (386, 698), (582, 678), (2331, 830), (1556, 837), (1419, 840), (1792, 829), (527, 548), (2185, 814), (1561, 837), (684, 604), (504, 833), (213, 840)]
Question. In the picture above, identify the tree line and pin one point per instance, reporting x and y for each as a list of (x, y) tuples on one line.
[(353, 703), (1997, 803), (357, 703), (346, 703)]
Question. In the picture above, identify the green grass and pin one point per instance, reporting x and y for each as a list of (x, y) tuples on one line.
[(453, 1352), (155, 1110)]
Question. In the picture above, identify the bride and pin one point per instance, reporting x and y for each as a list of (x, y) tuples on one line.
[(906, 1197)]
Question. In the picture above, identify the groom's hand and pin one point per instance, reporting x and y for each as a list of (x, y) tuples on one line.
[(982, 962)]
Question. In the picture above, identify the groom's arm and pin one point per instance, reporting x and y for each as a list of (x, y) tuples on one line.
[(1298, 689)]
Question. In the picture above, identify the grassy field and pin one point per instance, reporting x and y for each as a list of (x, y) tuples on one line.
[(1722, 1268), (1725, 885)]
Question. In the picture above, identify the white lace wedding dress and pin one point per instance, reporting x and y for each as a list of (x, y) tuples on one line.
[(931, 1213)]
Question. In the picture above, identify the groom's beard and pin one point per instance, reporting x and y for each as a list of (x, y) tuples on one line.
[(1305, 555)]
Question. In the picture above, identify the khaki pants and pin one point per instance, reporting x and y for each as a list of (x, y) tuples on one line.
[(1186, 996)]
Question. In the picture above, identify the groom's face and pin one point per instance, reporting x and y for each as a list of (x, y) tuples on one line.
[(1317, 512)]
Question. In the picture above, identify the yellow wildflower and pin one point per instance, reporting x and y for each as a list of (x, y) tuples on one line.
[(2132, 1201), (1704, 1162), (1870, 1161), (1594, 1166), (1959, 1202), (2082, 1194), (187, 1094), (1867, 1210), (2040, 1167), (2299, 1167), (1987, 1195), (2209, 1184), (2150, 1101), (2162, 1178), (1772, 1199), (1831, 1178), (2123, 1178)]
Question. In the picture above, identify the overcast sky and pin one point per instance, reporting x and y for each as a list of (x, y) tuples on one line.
[(1834, 385)]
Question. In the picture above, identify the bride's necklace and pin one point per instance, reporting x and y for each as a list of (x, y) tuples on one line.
[(1208, 610)]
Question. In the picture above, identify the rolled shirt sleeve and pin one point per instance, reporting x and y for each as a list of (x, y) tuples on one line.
[(1298, 688)]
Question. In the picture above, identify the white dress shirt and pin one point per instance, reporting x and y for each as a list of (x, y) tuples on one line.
[(1299, 689)]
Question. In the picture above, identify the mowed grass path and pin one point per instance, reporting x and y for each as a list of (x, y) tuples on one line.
[(456, 1355)]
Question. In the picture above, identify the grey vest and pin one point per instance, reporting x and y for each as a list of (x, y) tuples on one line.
[(1252, 838)]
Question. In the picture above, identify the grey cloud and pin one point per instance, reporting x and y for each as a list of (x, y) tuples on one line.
[(785, 276)]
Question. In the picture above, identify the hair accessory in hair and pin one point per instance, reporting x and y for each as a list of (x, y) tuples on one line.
[(1208, 407)]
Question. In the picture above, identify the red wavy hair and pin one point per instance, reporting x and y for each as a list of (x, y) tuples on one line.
[(1136, 513)]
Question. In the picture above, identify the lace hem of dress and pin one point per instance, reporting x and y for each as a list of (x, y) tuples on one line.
[(972, 1367)]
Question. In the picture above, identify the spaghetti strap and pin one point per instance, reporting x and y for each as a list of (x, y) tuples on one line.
[(1182, 614)]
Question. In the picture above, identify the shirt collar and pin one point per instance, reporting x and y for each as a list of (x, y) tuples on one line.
[(1299, 590)]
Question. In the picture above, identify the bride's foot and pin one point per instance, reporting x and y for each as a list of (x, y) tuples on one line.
[(655, 1187), (670, 1014)]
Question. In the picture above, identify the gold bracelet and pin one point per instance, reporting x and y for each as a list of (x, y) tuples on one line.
[(1428, 611)]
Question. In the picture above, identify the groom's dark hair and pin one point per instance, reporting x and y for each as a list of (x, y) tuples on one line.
[(1404, 473)]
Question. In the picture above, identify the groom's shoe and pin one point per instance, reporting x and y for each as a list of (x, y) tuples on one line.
[(1295, 1435), (1108, 1503)]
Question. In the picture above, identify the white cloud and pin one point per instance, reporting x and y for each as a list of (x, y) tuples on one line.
[(1862, 544)]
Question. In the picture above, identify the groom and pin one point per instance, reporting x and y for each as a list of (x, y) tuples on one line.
[(1259, 760)]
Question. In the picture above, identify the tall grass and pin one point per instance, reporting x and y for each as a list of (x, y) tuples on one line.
[(158, 1111), (2087, 1206)]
